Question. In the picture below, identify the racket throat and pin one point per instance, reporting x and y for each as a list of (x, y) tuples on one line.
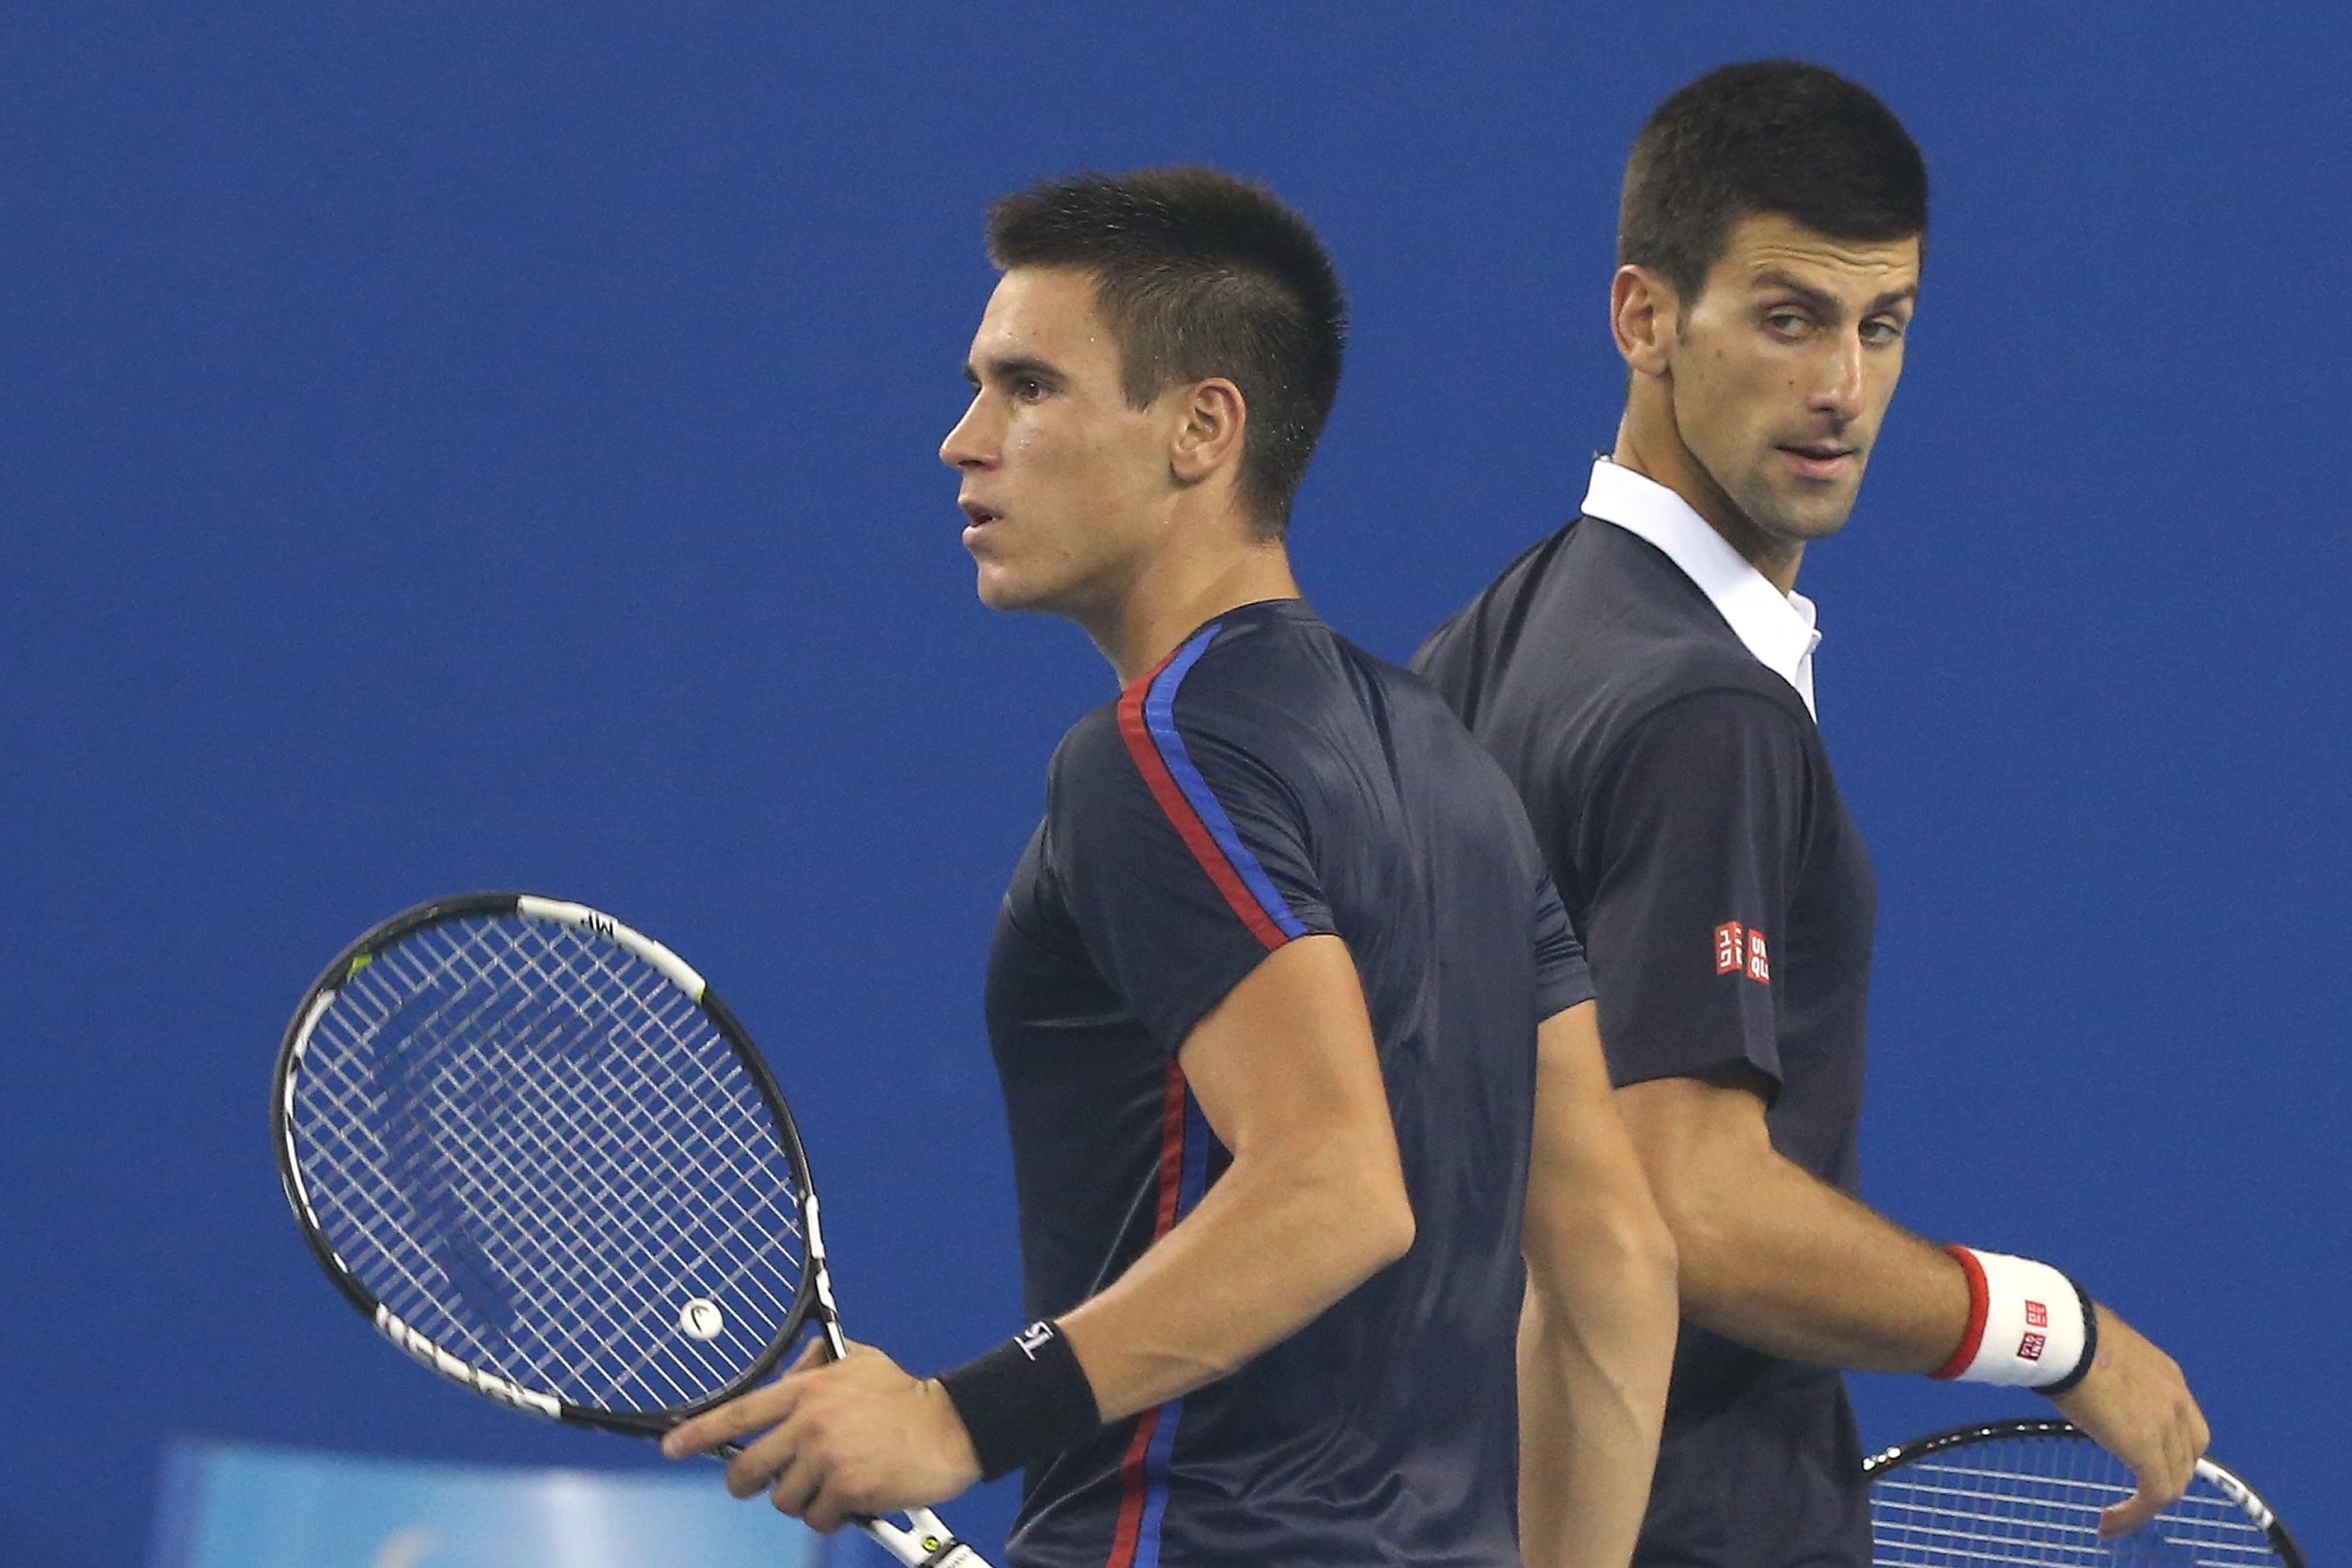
[(820, 1279)]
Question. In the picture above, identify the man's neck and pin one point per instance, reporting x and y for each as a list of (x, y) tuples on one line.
[(1653, 447), (1181, 591)]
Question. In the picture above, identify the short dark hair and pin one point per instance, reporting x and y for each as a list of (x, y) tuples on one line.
[(1200, 274), (1771, 136)]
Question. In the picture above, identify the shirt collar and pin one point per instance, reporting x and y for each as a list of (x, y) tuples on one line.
[(1778, 628)]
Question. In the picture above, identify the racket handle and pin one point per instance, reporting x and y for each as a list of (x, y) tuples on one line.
[(927, 1545)]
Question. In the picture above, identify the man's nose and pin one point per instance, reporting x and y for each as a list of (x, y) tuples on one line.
[(1839, 389), (971, 444)]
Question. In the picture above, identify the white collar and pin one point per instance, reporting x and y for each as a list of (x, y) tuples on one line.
[(1778, 628)]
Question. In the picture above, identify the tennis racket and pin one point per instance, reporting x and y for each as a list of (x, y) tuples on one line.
[(532, 1148), (2025, 1493)]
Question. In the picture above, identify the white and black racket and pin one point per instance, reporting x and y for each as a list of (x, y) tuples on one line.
[(2029, 1493), (532, 1149)]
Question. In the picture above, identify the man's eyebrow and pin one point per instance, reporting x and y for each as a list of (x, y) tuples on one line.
[(1017, 367), (1826, 304), (1822, 301)]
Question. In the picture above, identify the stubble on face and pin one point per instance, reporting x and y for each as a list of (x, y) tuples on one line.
[(1782, 373), (1064, 480)]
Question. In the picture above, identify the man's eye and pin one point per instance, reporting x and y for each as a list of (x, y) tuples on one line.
[(1789, 324), (1028, 388), (1882, 332)]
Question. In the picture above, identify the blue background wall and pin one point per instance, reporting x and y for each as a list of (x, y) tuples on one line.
[(448, 446)]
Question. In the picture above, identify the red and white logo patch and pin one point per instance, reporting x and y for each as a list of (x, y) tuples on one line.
[(2030, 1348), (1740, 950), (2037, 1314)]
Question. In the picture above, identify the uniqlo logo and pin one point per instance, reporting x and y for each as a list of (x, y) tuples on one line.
[(2030, 1348), (2037, 1314), (1731, 955), (1760, 967)]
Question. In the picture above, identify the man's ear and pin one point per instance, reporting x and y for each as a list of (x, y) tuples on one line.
[(1209, 437), (1645, 315)]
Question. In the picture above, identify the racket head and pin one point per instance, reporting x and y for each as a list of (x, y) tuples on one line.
[(2031, 1492), (531, 1147)]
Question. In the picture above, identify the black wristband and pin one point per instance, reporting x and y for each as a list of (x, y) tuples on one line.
[(2090, 1348), (1023, 1401)]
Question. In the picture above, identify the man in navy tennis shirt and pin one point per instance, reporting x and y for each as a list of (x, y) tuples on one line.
[(1286, 1010), (1645, 676)]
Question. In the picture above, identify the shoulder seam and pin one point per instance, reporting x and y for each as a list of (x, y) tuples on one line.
[(1190, 804)]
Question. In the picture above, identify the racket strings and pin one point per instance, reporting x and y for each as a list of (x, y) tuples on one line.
[(570, 1345), (527, 1263), (534, 1148), (2034, 1502), (610, 1210), (530, 1115)]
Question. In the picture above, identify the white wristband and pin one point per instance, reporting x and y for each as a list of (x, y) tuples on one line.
[(2029, 1326)]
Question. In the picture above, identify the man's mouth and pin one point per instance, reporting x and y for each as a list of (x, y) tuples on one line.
[(977, 516), (1820, 460)]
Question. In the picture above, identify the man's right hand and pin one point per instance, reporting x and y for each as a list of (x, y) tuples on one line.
[(2136, 1405)]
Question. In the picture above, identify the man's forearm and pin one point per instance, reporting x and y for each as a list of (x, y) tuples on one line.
[(1596, 1333), (1775, 1258), (1263, 1256), (1792, 1266), (1287, 1076), (1593, 1371)]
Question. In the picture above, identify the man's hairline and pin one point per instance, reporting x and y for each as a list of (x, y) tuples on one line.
[(1094, 275), (1919, 236)]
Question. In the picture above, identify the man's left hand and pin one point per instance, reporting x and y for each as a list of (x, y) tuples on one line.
[(854, 1437)]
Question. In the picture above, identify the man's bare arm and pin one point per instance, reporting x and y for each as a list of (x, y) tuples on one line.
[(1313, 1204), (1596, 1334), (1774, 1259)]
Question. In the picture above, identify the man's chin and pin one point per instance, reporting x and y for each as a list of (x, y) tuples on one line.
[(1001, 591), (1812, 527), (1805, 518)]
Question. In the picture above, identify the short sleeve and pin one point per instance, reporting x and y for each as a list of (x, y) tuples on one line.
[(1692, 837), (1178, 850), (1562, 979)]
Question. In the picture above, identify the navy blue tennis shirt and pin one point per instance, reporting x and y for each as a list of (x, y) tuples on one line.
[(1650, 694), (1268, 781)]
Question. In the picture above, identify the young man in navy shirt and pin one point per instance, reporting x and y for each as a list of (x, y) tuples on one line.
[(1297, 1051), (1645, 676)]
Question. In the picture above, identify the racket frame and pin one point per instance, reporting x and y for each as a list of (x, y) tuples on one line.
[(2223, 1480), (928, 1544)]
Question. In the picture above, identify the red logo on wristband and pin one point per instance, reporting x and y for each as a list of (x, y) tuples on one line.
[(2037, 1314), (2030, 1348)]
